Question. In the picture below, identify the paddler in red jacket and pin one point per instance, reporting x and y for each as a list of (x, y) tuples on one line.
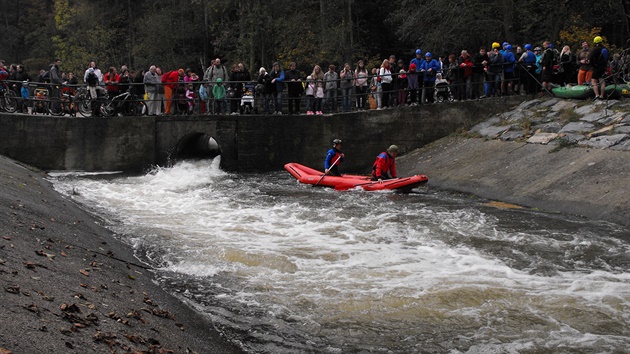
[(333, 159), (385, 165)]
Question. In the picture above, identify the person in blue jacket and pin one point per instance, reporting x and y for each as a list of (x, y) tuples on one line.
[(277, 78), (430, 68), (417, 61), (509, 77), (333, 159)]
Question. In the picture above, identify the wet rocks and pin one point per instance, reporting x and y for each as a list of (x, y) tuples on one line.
[(601, 125)]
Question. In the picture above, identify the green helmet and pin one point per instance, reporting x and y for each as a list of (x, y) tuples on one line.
[(392, 148)]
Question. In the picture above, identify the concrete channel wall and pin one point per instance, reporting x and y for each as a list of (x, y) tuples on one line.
[(248, 143)]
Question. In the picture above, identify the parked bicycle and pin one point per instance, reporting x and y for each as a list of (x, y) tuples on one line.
[(8, 99), (59, 106), (125, 104)]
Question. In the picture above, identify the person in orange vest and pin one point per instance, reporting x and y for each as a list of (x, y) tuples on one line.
[(170, 80)]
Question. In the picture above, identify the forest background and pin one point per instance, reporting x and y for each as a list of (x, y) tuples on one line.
[(190, 33)]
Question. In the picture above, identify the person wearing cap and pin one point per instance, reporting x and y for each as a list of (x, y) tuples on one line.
[(419, 76), (494, 71), (430, 68), (528, 65), (412, 84), (334, 157), (599, 62), (385, 165), (509, 77)]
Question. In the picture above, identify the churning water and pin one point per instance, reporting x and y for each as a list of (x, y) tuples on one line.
[(288, 268)]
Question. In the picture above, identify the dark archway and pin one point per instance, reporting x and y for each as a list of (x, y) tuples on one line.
[(197, 146)]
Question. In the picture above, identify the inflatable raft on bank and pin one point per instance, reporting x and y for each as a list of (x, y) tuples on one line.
[(581, 92), (314, 177)]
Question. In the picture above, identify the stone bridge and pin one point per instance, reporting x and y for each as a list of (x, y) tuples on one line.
[(247, 143)]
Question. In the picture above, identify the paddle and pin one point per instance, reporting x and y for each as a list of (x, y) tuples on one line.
[(325, 173)]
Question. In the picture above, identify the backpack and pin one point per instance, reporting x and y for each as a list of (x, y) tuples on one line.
[(92, 79)]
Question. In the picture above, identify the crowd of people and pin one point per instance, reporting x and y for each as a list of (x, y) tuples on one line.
[(504, 69)]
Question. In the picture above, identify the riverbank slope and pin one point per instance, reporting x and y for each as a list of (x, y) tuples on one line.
[(68, 286), (575, 160)]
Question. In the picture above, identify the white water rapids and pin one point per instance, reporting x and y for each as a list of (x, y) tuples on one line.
[(286, 268)]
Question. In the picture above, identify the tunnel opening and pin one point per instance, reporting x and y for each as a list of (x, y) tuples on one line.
[(195, 146)]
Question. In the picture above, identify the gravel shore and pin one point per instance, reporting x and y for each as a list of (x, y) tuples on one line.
[(68, 286)]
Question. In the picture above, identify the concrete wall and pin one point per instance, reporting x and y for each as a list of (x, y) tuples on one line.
[(249, 143)]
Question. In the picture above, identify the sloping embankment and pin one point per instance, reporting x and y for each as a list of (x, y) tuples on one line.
[(589, 182)]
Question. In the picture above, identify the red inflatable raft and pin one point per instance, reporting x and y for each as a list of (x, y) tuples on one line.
[(311, 176)]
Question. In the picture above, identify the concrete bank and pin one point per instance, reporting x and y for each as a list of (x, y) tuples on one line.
[(574, 178), (68, 286)]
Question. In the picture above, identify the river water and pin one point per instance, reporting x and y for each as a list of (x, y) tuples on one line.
[(287, 268)]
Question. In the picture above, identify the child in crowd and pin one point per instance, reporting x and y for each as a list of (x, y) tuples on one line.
[(309, 92), (25, 93), (219, 92), (190, 98)]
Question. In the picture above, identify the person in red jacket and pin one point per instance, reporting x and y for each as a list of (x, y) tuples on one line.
[(170, 79), (385, 165), (465, 76), (111, 79)]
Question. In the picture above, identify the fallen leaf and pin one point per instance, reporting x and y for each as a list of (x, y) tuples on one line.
[(8, 238), (5, 351), (69, 308), (63, 254), (32, 308), (13, 289), (84, 272)]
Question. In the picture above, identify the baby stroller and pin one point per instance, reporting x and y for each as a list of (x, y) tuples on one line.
[(443, 91), (247, 101), (40, 102)]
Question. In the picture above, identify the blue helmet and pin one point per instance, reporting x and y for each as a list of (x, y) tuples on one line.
[(428, 54), (418, 52), (508, 47), (550, 45), (528, 46), (504, 44)]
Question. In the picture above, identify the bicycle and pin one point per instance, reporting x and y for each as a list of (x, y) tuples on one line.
[(83, 101), (125, 104), (59, 106), (8, 99)]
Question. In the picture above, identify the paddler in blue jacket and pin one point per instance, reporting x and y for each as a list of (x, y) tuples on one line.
[(385, 165), (333, 159)]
